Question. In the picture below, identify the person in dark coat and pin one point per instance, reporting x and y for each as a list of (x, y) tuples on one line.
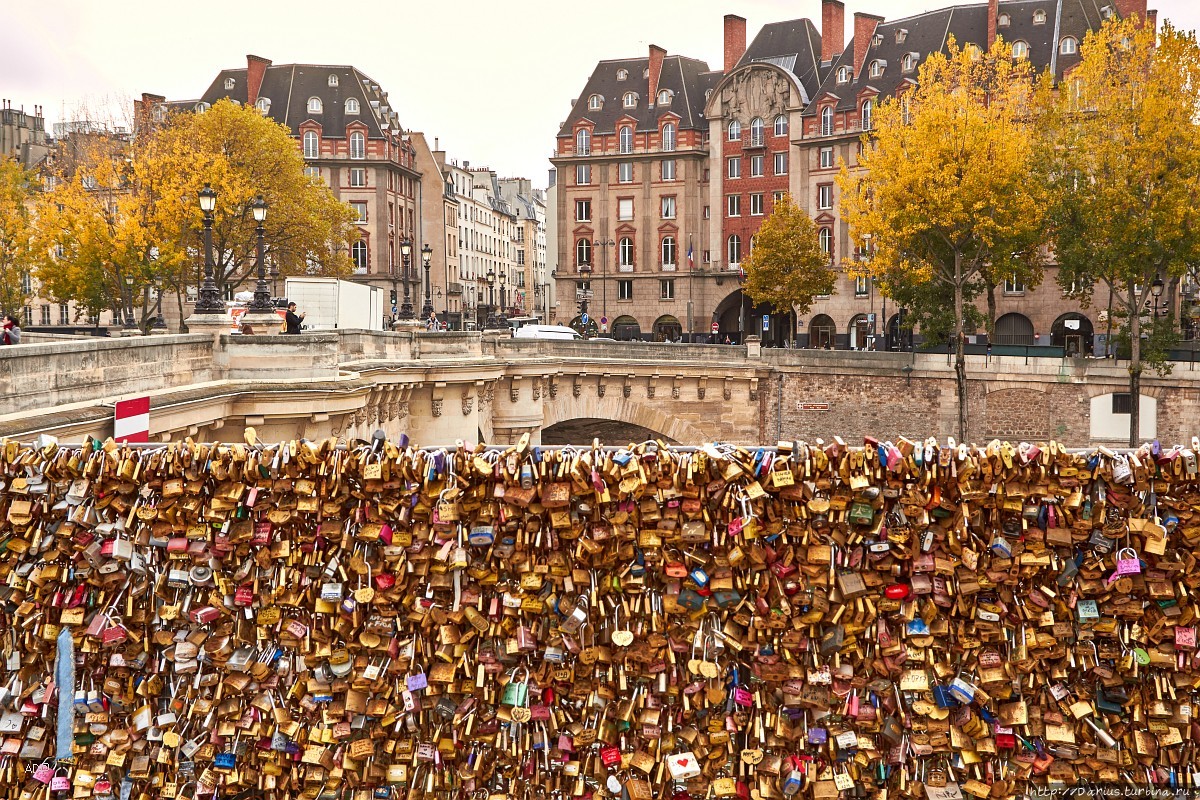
[(292, 319)]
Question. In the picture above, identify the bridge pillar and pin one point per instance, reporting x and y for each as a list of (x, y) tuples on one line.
[(517, 408)]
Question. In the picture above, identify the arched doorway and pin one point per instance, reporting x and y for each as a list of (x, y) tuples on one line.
[(626, 329), (728, 317), (860, 332), (774, 328), (1014, 329), (898, 337), (667, 329), (1073, 333), (822, 333)]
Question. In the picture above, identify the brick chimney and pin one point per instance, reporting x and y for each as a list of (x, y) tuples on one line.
[(657, 54), (993, 16), (735, 40), (833, 29), (864, 29), (1152, 19), (143, 111), (256, 69), (1128, 8)]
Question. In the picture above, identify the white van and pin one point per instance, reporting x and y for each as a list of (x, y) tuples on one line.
[(545, 332)]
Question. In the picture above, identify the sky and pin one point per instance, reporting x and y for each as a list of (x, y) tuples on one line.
[(493, 81)]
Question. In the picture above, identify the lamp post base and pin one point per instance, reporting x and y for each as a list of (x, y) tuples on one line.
[(409, 324), (211, 324), (262, 323)]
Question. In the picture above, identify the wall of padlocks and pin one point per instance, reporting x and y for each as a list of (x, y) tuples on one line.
[(304, 620)]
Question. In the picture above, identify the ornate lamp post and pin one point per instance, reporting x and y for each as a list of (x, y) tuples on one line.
[(426, 256), (262, 293), (406, 308), (492, 323), (210, 299), (129, 326)]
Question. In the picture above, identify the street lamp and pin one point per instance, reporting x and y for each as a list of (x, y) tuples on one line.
[(492, 323), (406, 309), (426, 256), (741, 279), (604, 244), (210, 300), (129, 326), (262, 293)]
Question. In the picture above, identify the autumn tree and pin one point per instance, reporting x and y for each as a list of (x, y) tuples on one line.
[(1126, 174), (17, 248), (787, 267), (943, 189)]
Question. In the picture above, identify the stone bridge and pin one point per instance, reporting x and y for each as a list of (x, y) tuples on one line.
[(439, 387)]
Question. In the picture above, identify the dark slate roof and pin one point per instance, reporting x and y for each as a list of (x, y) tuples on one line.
[(967, 24), (687, 78), (289, 86), (794, 45)]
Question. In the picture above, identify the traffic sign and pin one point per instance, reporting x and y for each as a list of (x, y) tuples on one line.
[(716, 328), (766, 323), (583, 318), (604, 320)]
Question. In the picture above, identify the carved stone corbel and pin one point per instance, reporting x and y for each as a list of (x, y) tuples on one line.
[(514, 389), (676, 385), (754, 388), (701, 387), (553, 388), (727, 389), (468, 400), (627, 387), (651, 387)]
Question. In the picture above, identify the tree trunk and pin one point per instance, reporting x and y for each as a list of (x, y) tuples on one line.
[(1135, 370), (991, 309), (179, 302), (960, 359)]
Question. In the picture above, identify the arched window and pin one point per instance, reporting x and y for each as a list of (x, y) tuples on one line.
[(629, 100), (827, 121), (201, 107), (626, 140), (734, 249), (358, 145), (974, 51), (622, 74), (358, 252), (312, 145), (595, 102), (668, 137), (314, 105), (333, 80), (230, 83), (583, 142), (781, 125), (1068, 46), (1002, 21), (825, 237), (263, 104), (909, 63), (1020, 49), (1039, 17), (664, 97), (625, 252), (583, 253), (876, 68), (868, 107), (1014, 329), (844, 74), (668, 251), (735, 130), (351, 105), (757, 132)]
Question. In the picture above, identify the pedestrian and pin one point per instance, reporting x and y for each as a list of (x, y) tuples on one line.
[(292, 320), (728, 340), (12, 331), (432, 324)]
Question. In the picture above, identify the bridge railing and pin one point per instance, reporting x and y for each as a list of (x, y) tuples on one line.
[(628, 351)]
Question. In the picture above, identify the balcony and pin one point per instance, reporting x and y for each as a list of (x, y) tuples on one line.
[(454, 287)]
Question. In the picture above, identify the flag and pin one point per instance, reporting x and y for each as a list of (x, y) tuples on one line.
[(691, 263)]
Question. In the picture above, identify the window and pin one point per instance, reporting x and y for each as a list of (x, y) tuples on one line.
[(756, 166), (583, 142), (624, 289), (734, 249), (844, 74), (734, 202), (826, 157), (825, 237), (313, 172), (626, 140), (583, 210), (1020, 49), (629, 100), (314, 105), (825, 196), (360, 211), (1002, 21), (974, 51), (861, 286), (358, 145), (625, 254), (625, 209), (230, 83), (827, 121), (1122, 403), (595, 102), (1039, 17), (668, 169), (201, 107), (756, 205), (664, 97), (358, 252), (735, 131), (707, 213), (312, 145), (45, 314), (666, 289), (625, 172), (780, 164), (1068, 46), (668, 251), (781, 125), (901, 35), (668, 207), (909, 63), (757, 132), (583, 175), (263, 104), (877, 68), (64, 314), (777, 197), (358, 177), (333, 80), (622, 74), (668, 137), (868, 106), (734, 169), (351, 105), (583, 253), (1014, 285)]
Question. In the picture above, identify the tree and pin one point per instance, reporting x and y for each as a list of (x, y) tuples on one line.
[(944, 189), (17, 248), (787, 267), (1125, 174)]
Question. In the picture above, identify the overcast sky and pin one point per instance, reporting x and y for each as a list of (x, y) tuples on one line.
[(492, 80)]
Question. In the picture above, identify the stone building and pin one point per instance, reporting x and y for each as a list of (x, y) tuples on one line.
[(23, 135), (439, 226), (530, 255)]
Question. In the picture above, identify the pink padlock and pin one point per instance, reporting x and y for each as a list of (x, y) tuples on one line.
[(44, 773), (1127, 564), (61, 782)]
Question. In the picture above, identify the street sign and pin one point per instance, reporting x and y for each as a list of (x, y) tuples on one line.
[(766, 323), (584, 318), (716, 328), (604, 320)]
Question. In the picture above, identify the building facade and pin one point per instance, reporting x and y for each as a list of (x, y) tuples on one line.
[(23, 135), (439, 229), (531, 292)]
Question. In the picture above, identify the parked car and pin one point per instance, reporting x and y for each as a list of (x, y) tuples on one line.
[(545, 332)]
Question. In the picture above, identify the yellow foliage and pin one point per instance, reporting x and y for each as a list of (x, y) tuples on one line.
[(17, 248), (787, 267)]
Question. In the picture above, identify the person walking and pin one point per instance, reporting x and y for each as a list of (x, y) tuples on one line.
[(292, 320), (12, 331)]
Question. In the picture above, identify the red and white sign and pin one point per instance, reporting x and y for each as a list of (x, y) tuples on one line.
[(716, 328), (131, 422)]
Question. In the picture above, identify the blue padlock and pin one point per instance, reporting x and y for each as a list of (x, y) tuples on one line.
[(942, 696)]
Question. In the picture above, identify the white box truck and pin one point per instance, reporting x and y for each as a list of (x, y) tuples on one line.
[(331, 303)]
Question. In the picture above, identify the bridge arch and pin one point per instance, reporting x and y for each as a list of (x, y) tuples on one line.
[(640, 419)]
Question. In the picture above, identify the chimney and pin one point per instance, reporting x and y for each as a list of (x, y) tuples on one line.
[(864, 29), (993, 15), (657, 54), (143, 110), (256, 69), (833, 29), (1152, 19), (735, 40), (1127, 8)]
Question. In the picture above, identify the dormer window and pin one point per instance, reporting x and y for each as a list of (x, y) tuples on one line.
[(333, 80), (622, 74), (877, 40), (595, 102), (230, 83), (844, 74), (1105, 12), (1020, 49), (1068, 46), (351, 105), (645, 73), (877, 68), (314, 105), (910, 62), (1002, 21), (974, 52), (263, 104), (201, 107), (664, 97), (629, 100), (901, 35), (1039, 17)]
